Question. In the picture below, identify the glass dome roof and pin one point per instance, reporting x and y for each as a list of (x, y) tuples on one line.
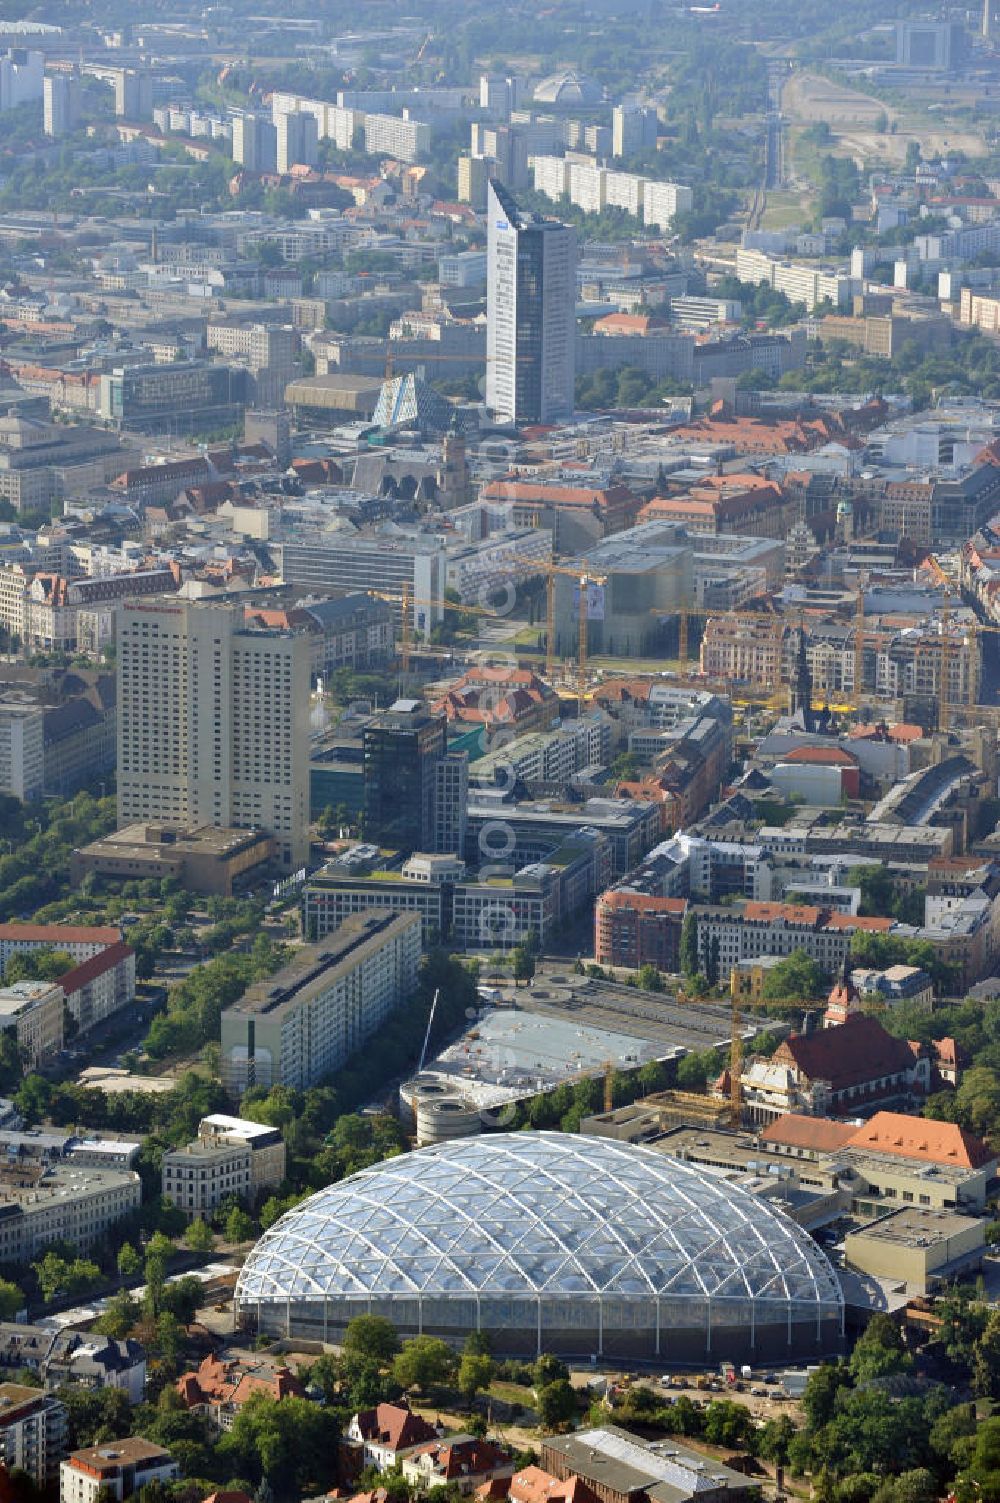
[(537, 1213)]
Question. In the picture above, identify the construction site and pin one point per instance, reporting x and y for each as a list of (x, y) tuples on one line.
[(562, 1029)]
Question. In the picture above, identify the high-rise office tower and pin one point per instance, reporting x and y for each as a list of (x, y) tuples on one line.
[(402, 749), (213, 723), (297, 141), (633, 129), (255, 143), (500, 94), (530, 313), (451, 803), (133, 94), (61, 103)]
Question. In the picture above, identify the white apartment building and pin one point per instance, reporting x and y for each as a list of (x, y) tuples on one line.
[(624, 190), (33, 1012), (333, 122), (406, 140), (116, 1469), (79, 941), (306, 1022), (22, 756), (213, 723), (551, 176), (586, 186), (801, 284), (33, 1428), (74, 1203), (662, 202), (61, 103), (633, 127), (297, 141)]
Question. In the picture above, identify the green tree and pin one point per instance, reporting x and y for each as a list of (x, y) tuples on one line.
[(57, 1275), (128, 1261), (239, 1227), (291, 1444), (12, 1301), (199, 1236), (120, 1316), (548, 1369), (649, 978), (372, 1337), (821, 1390), (555, 1404), (986, 1359), (797, 978), (879, 1351), (689, 945), (424, 1362), (523, 963), (475, 1374)]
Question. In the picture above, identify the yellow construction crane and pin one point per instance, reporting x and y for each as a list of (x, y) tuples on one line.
[(406, 600), (584, 581)]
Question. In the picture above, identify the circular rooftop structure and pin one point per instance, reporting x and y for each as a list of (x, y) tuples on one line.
[(549, 1242), (568, 89)]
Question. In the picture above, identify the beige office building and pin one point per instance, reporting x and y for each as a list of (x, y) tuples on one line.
[(213, 723)]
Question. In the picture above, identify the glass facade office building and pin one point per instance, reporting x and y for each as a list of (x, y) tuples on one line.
[(549, 1242)]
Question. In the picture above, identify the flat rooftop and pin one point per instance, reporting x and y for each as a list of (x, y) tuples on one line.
[(149, 841), (565, 1027), (315, 968), (916, 1226), (625, 1464), (61, 1181)]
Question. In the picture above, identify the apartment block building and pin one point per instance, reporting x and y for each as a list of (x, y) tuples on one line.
[(745, 931), (33, 1431), (638, 928), (633, 129), (33, 1012), (79, 941), (297, 140), (799, 282), (213, 724), (593, 188), (748, 649), (100, 986), (114, 1470), (397, 136), (22, 754), (548, 756), (305, 1022), (62, 1202), (230, 1158), (662, 202)]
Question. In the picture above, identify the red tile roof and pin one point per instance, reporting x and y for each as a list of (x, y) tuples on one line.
[(792, 913), (56, 934), (394, 1426), (819, 1134), (95, 965), (533, 1485), (921, 1138), (822, 756), (859, 1051)]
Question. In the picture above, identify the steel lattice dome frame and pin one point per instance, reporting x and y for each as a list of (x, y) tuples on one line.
[(548, 1242)]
